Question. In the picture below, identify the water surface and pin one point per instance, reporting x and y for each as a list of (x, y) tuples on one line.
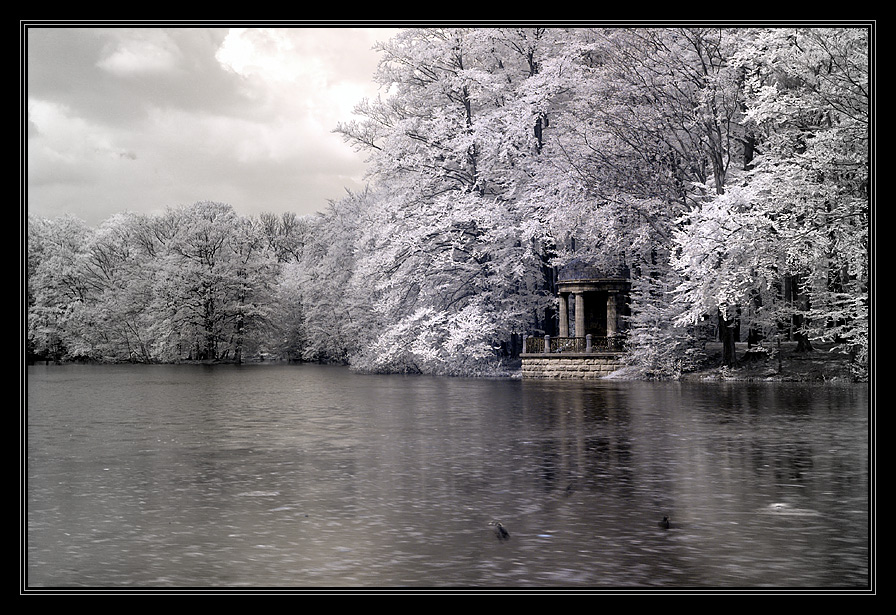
[(277, 476)]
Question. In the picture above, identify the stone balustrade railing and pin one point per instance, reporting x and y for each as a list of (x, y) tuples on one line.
[(580, 345)]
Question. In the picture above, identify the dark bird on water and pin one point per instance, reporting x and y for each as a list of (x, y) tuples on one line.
[(665, 523), (500, 531)]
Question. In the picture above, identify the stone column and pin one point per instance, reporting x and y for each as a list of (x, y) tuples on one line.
[(611, 313), (580, 314), (564, 316)]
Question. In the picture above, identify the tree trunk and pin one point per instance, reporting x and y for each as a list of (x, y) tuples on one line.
[(803, 344), (209, 347), (238, 344), (727, 337), (749, 150), (802, 341)]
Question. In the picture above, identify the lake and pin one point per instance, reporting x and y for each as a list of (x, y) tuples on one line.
[(310, 476)]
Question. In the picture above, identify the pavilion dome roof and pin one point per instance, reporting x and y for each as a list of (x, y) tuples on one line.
[(582, 268)]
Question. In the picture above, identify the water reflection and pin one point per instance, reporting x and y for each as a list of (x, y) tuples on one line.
[(309, 476)]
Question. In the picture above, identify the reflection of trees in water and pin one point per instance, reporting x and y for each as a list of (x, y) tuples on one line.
[(586, 441)]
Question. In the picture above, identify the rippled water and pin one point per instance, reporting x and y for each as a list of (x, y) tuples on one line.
[(270, 476)]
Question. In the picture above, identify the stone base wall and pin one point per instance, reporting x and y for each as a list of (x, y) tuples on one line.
[(570, 366)]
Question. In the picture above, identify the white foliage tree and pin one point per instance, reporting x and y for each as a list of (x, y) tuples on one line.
[(450, 148), (324, 283), (214, 280), (57, 291), (790, 244)]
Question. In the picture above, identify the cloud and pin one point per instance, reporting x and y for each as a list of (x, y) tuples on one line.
[(139, 119), (65, 148), (141, 51)]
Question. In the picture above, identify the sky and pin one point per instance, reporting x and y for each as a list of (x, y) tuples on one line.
[(144, 118)]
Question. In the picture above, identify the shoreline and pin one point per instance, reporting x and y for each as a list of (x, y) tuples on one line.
[(787, 365)]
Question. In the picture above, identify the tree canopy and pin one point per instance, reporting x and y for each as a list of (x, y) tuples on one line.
[(727, 169)]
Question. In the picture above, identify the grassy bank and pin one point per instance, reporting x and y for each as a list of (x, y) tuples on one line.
[(822, 364)]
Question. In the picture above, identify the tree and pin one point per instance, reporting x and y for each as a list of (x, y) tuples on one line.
[(650, 127), (790, 243), (325, 285), (214, 278), (817, 164), (450, 148), (196, 283), (56, 289), (120, 272)]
